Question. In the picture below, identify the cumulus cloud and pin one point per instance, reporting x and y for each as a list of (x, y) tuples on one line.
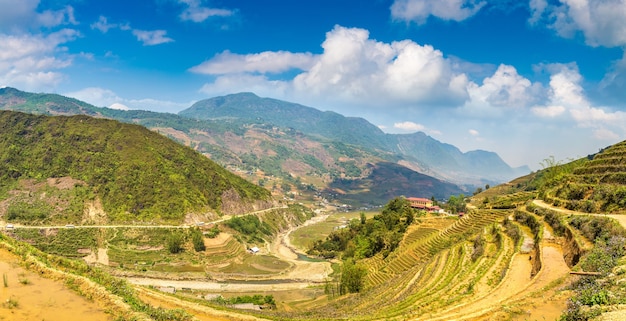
[(566, 98), (195, 12), (504, 93), (602, 22), (353, 69), (31, 61), (23, 14), (119, 106), (152, 37), (409, 126), (419, 10), (264, 62), (505, 88), (361, 70)]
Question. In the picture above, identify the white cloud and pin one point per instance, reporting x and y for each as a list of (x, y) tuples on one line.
[(503, 93), (264, 62), (23, 14), (148, 38), (352, 70), (156, 104), (30, 61), (566, 97), (96, 96), (261, 85), (602, 22), (105, 97), (103, 25), (152, 38), (473, 132), (548, 111), (409, 126), (360, 70), (197, 13), (50, 18), (419, 10), (605, 134), (503, 90), (119, 106)]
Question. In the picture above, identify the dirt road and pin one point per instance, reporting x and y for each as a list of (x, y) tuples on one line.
[(621, 219)]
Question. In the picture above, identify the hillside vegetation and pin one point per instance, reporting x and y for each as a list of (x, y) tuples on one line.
[(137, 174), (288, 147), (593, 184)]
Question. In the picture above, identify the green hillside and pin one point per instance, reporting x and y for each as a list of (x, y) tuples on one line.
[(136, 173), (47, 104), (330, 125), (279, 145), (594, 184)]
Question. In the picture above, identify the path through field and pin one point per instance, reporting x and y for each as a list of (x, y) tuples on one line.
[(516, 285), (621, 219)]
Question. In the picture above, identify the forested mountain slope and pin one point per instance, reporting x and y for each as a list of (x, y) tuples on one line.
[(136, 173)]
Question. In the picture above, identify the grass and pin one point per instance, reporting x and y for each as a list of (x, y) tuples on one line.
[(256, 265), (5, 280), (304, 237), (65, 242), (11, 303)]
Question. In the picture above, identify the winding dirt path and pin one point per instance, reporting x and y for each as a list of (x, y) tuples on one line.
[(516, 285), (621, 219)]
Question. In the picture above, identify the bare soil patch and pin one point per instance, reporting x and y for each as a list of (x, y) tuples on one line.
[(38, 298)]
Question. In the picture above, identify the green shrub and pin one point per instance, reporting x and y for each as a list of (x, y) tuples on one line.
[(352, 277), (198, 240), (175, 243)]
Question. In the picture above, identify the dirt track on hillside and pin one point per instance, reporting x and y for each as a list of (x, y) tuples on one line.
[(517, 285), (621, 219)]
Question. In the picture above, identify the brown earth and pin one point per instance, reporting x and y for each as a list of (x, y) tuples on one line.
[(40, 298)]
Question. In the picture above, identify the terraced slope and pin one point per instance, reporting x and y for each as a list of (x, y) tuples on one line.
[(434, 260), (420, 245), (591, 186)]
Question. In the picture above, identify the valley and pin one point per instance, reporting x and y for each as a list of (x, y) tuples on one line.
[(127, 218), (520, 290)]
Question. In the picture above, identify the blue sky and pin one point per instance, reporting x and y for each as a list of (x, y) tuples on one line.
[(526, 79)]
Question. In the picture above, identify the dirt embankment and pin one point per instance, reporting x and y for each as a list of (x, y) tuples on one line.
[(572, 251)]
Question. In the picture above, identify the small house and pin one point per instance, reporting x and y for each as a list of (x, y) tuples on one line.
[(420, 203)]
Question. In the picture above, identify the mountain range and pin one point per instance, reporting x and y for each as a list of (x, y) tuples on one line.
[(420, 151), (285, 146)]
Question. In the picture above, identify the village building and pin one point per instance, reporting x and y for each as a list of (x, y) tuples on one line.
[(424, 204), (420, 203)]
